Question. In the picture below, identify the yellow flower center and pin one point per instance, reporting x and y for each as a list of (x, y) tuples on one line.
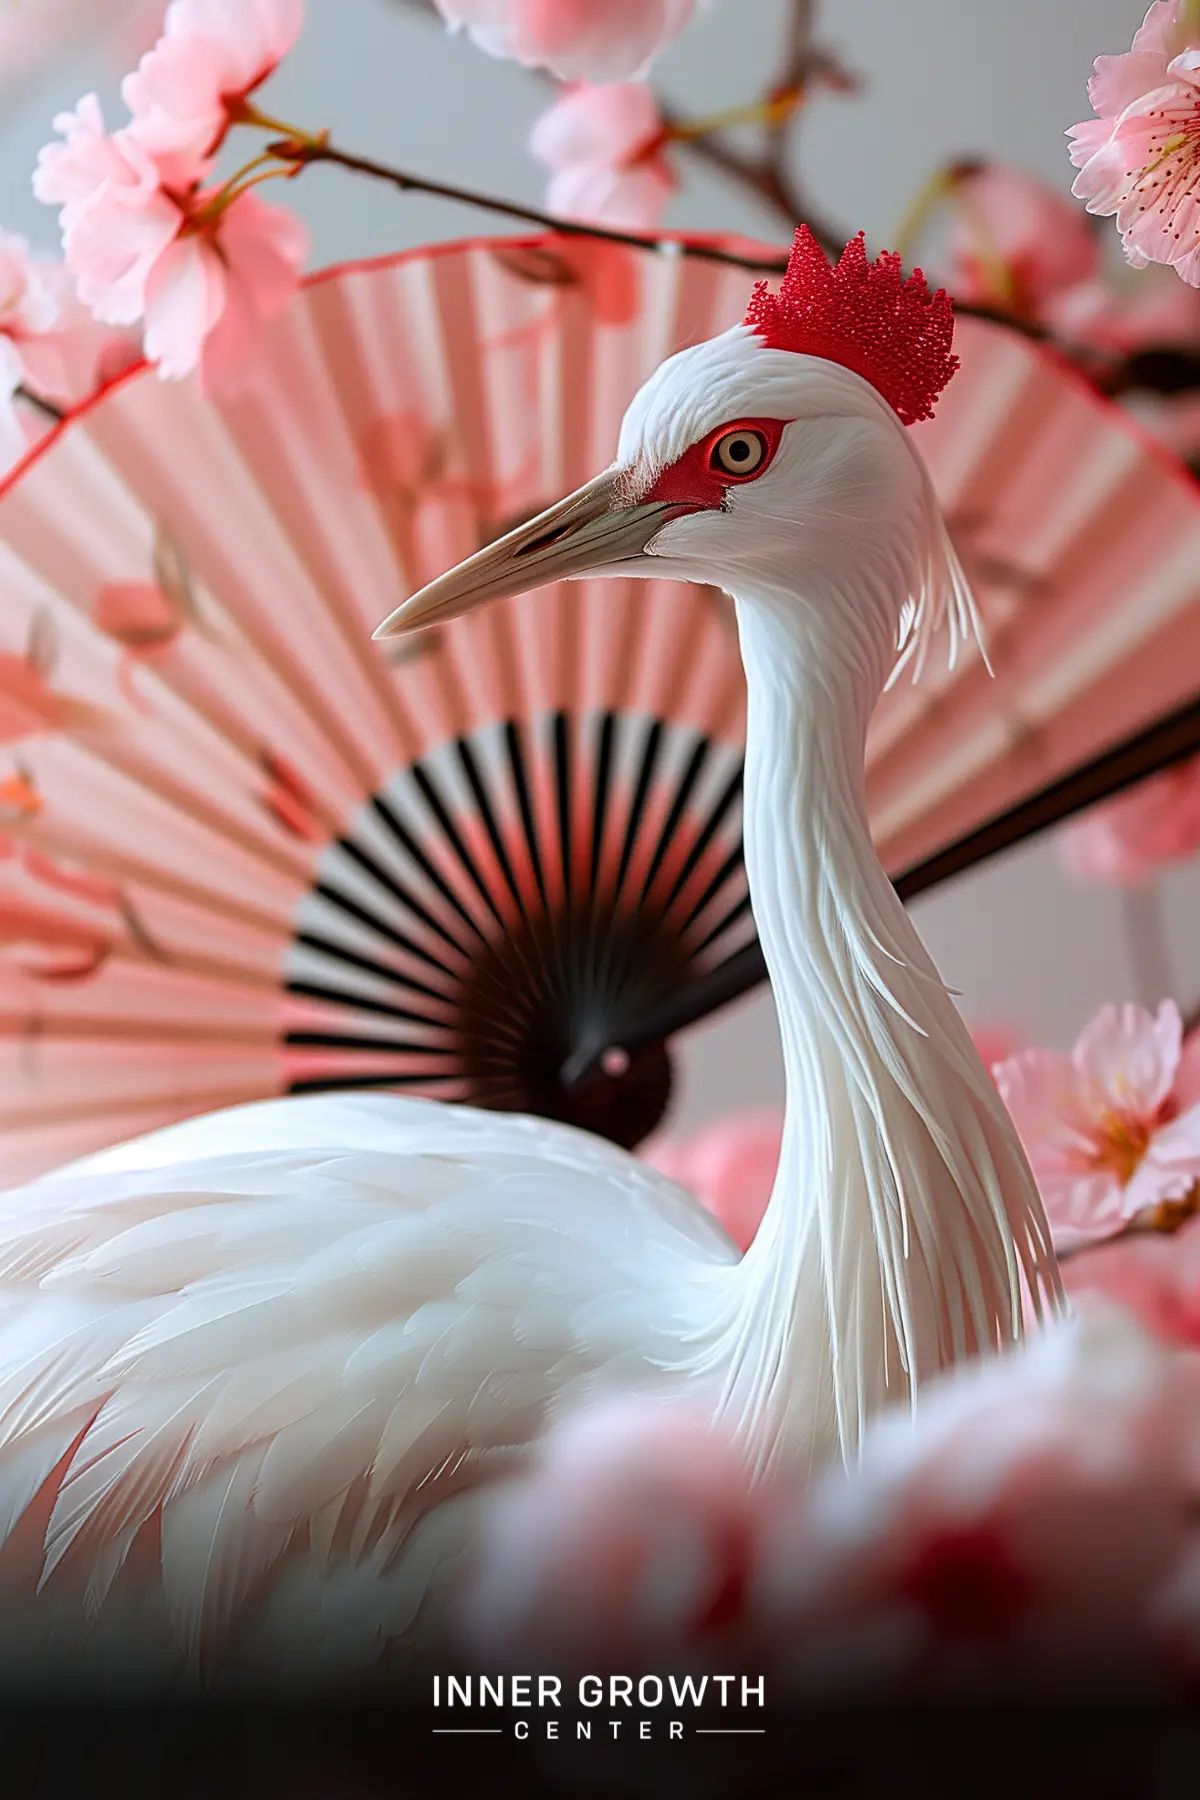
[(1169, 1215), (1121, 1143)]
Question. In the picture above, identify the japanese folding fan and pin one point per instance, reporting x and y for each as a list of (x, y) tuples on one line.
[(246, 851)]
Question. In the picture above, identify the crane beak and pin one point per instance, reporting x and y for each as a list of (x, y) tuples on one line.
[(590, 530)]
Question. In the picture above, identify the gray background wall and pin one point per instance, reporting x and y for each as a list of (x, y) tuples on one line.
[(1018, 939)]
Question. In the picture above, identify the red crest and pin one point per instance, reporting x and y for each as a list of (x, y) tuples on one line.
[(865, 316)]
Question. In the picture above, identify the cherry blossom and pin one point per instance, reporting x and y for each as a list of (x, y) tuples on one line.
[(1113, 1130), (604, 147), (1150, 310), (34, 32), (578, 40), (1127, 840), (1029, 1522), (28, 310), (211, 292), (1152, 1271), (203, 270), (1139, 159), (1016, 244), (196, 80), (633, 1534), (1017, 1531)]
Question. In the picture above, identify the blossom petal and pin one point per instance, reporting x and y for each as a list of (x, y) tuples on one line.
[(13, 441), (1121, 80), (184, 299), (1128, 1060), (602, 126), (578, 40)]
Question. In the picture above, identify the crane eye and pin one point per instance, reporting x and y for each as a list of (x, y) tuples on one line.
[(739, 453)]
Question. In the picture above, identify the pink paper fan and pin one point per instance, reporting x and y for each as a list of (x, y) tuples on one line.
[(243, 851)]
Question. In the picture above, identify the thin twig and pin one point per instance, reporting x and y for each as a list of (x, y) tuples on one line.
[(293, 150), (301, 152), (47, 407), (767, 177)]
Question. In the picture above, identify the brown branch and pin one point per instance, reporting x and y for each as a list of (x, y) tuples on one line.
[(303, 152), (46, 407), (767, 177)]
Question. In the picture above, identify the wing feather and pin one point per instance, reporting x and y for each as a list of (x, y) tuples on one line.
[(290, 1341)]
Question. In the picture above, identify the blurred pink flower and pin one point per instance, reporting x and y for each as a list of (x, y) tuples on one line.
[(1113, 1130), (34, 32), (1019, 1527), (91, 165), (578, 40), (995, 1042), (212, 55), (633, 1533), (1140, 158), (203, 273), (28, 310), (1128, 839), (1016, 244), (604, 147), (1154, 1274), (1151, 311), (79, 354), (211, 292), (1023, 1525)]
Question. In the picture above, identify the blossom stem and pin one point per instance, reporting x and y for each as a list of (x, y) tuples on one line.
[(252, 176), (768, 177), (772, 111), (299, 153), (246, 113), (924, 204), (46, 407)]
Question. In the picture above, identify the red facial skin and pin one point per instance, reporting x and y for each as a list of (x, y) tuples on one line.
[(697, 484)]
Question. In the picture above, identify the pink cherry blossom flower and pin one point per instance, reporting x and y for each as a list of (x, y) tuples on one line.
[(204, 273), (212, 55), (1016, 244), (1112, 1131), (90, 164), (1018, 1529), (211, 292), (1127, 840), (1029, 1522), (1140, 158), (604, 147), (34, 33), (578, 40), (633, 1534), (28, 310), (1151, 311), (1154, 1273)]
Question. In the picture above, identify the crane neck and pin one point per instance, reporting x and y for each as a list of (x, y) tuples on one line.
[(904, 1222)]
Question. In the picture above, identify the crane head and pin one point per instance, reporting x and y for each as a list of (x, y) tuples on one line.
[(773, 454)]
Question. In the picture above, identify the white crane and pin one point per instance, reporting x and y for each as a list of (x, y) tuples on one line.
[(255, 1368)]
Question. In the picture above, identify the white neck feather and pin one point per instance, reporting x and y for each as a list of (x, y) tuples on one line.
[(904, 1219)]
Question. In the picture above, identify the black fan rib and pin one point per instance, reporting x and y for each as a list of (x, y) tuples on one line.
[(522, 973)]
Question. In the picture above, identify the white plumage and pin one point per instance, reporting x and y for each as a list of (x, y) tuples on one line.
[(301, 1326), (255, 1369)]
